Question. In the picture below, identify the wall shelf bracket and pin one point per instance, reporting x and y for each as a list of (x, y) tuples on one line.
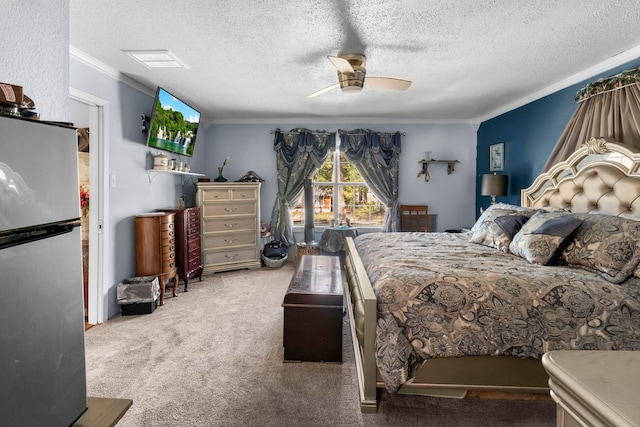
[(451, 166), (152, 173)]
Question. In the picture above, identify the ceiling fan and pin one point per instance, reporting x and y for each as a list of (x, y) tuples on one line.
[(352, 73)]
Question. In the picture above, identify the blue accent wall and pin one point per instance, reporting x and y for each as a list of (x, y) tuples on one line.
[(529, 134)]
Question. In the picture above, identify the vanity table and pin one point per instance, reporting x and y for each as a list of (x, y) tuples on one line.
[(595, 388)]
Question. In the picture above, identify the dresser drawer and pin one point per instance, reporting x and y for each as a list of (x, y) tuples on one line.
[(194, 263), (193, 245), (193, 234), (244, 194), (228, 224), (226, 257), (168, 251), (193, 213), (224, 240), (168, 264), (215, 194), (167, 224), (193, 218), (226, 209)]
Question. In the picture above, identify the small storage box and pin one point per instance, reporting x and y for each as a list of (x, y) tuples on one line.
[(138, 295)]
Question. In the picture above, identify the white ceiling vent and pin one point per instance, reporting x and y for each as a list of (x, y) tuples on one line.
[(156, 58)]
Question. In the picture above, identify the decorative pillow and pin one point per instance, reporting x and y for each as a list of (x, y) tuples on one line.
[(488, 229), (543, 238), (511, 224), (607, 245)]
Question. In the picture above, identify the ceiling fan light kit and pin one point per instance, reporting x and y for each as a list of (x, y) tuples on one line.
[(352, 82), (352, 73)]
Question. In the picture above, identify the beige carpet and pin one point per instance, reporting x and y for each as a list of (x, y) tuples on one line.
[(213, 357)]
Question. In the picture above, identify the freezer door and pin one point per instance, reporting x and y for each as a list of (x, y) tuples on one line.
[(38, 173), (43, 376)]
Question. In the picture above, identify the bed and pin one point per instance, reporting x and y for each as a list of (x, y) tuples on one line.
[(446, 313)]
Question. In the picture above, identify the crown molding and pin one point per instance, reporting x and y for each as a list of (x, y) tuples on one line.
[(92, 62), (339, 120), (602, 67)]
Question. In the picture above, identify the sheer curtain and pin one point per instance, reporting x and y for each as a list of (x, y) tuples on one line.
[(607, 108), (299, 154), (375, 156)]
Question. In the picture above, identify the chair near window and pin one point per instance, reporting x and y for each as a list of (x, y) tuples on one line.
[(413, 217)]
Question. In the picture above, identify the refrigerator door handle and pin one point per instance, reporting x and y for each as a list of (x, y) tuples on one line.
[(31, 234)]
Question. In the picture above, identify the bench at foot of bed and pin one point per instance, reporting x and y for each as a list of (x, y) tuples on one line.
[(313, 308)]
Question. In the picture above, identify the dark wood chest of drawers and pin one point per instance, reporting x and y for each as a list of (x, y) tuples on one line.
[(188, 250)]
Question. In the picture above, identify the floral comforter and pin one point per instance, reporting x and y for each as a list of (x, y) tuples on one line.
[(441, 296)]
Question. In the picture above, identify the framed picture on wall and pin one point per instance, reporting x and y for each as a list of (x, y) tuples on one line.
[(496, 157)]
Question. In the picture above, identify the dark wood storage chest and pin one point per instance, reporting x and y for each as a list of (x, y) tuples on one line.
[(313, 310), (188, 249)]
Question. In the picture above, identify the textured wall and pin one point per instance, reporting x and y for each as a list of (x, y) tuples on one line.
[(35, 53)]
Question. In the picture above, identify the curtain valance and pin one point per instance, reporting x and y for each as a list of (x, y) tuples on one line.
[(382, 146), (291, 145), (625, 78)]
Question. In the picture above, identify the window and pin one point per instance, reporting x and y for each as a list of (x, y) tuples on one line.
[(340, 194)]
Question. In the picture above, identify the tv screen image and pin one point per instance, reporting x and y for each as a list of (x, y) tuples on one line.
[(174, 124)]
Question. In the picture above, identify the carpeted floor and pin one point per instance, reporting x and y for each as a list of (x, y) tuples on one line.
[(213, 357)]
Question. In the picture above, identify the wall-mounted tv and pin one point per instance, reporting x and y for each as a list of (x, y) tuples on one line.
[(174, 124)]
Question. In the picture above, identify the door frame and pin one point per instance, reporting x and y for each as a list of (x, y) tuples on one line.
[(98, 298)]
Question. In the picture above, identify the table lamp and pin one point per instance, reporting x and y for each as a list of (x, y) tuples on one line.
[(494, 185)]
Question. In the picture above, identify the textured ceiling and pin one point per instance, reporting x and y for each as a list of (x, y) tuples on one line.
[(259, 59)]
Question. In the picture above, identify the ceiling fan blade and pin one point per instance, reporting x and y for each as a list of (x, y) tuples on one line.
[(341, 64), (387, 83), (326, 89)]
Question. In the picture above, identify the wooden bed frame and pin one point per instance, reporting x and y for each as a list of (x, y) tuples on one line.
[(602, 177)]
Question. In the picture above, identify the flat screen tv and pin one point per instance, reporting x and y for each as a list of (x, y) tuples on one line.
[(174, 124)]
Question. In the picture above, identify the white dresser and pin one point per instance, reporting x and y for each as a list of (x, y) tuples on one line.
[(595, 388), (230, 225)]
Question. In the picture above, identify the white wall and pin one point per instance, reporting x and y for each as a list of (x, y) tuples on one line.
[(35, 53), (451, 197)]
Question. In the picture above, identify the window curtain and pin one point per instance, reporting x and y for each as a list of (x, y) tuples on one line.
[(299, 154), (375, 155), (607, 108)]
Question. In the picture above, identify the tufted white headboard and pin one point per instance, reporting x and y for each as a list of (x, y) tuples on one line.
[(602, 177)]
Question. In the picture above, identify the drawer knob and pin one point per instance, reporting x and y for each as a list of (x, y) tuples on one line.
[(231, 225), (230, 210), (231, 256), (230, 240)]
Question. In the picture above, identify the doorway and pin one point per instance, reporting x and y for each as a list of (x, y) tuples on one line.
[(88, 111)]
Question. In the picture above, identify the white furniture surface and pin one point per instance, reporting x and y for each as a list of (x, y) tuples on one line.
[(230, 219), (595, 388)]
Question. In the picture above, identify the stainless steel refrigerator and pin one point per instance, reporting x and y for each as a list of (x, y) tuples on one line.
[(42, 360)]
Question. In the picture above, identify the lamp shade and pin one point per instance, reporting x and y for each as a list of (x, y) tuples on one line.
[(494, 185)]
